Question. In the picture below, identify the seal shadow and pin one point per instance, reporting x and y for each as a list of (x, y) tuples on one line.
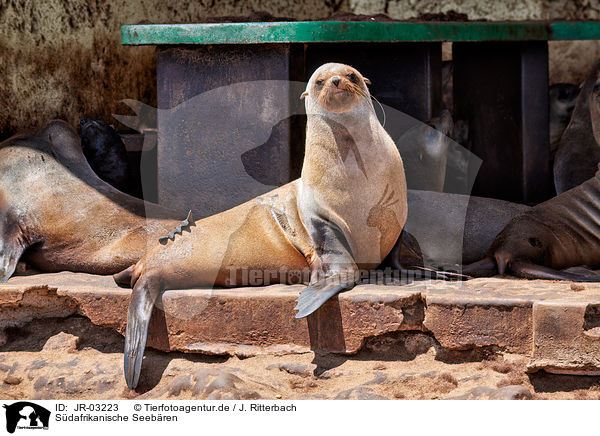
[(157, 361), (326, 335), (543, 381)]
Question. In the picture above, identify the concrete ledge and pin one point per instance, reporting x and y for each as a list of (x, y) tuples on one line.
[(554, 323)]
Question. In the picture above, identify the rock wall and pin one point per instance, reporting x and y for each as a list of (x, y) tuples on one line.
[(63, 58)]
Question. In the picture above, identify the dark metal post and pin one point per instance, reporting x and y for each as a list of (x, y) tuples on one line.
[(501, 89)]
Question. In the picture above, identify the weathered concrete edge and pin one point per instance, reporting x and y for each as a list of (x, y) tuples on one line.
[(250, 321), (566, 338)]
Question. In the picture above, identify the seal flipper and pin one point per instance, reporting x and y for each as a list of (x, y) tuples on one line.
[(123, 278), (10, 253), (485, 267), (316, 294), (333, 268), (533, 271), (143, 298), (405, 255)]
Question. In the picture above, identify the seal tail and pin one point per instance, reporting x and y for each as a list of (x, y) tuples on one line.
[(533, 271), (482, 268), (316, 294), (142, 302)]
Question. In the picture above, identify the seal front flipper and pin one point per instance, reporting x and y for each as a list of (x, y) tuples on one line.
[(485, 267), (405, 255), (533, 271), (143, 297), (316, 294), (332, 268), (10, 253), (13, 241), (11, 249)]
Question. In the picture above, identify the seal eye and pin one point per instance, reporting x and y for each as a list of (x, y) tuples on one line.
[(319, 82), (353, 77)]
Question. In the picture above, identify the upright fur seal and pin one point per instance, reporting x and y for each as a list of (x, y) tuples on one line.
[(560, 233), (57, 212), (344, 213), (578, 153)]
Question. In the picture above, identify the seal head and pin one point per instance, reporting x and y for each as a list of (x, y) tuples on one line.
[(336, 88)]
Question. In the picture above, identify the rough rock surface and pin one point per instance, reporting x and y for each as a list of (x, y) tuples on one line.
[(550, 322), (408, 365)]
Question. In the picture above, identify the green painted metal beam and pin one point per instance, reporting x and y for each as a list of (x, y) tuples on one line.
[(575, 30), (363, 31)]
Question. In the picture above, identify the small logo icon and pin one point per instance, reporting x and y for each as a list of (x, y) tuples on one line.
[(26, 415)]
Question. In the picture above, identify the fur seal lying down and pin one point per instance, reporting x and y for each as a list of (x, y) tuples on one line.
[(59, 215), (557, 234), (344, 213), (455, 228)]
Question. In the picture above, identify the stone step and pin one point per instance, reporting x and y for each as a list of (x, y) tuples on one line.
[(554, 323)]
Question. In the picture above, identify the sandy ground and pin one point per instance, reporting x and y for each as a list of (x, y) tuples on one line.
[(74, 359)]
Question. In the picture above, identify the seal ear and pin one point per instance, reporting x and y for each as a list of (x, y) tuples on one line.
[(367, 81), (304, 94)]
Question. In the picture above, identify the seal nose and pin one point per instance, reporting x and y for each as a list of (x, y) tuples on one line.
[(335, 80), (502, 261)]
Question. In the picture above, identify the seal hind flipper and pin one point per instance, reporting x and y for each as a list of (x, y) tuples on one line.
[(142, 302), (316, 294), (533, 271)]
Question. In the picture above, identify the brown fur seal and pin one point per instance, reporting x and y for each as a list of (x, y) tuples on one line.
[(61, 216), (560, 233), (453, 228), (578, 153), (344, 213)]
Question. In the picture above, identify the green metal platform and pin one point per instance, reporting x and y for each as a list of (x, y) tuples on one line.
[(355, 31)]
